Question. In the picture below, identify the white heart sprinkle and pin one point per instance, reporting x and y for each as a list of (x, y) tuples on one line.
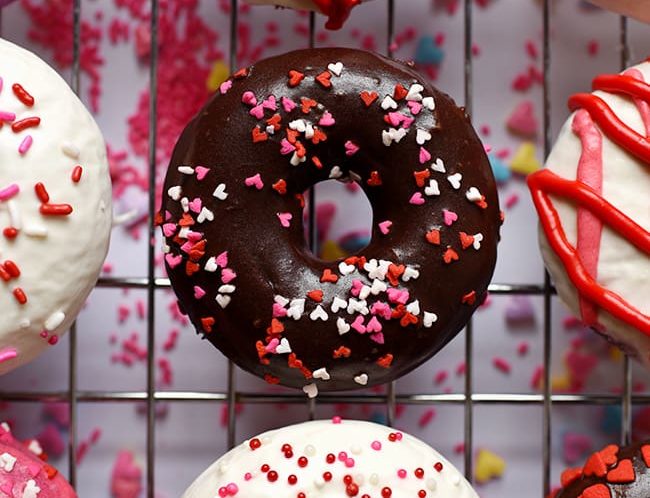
[(422, 136), (342, 326), (338, 304), (310, 390), (378, 287), (174, 192), (185, 204), (364, 292), (432, 189), (454, 180), (186, 170), (205, 214), (282, 301), (478, 238), (283, 347), (309, 131), (226, 289), (211, 265), (429, 319), (223, 300), (361, 379), (415, 92), (270, 130), (335, 68), (296, 309), (318, 314), (410, 273), (358, 306), (473, 194), (438, 166), (429, 103), (388, 103), (296, 159), (336, 172), (220, 192), (413, 307), (321, 373), (299, 125), (346, 269)]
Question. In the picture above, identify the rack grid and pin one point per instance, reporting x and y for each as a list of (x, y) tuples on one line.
[(468, 399)]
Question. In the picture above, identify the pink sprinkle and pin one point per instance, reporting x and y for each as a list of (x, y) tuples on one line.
[(501, 364), (169, 229), (401, 473), (351, 148), (440, 377), (373, 325), (123, 312), (272, 345), (416, 199), (356, 287), (25, 145), (201, 171), (522, 348), (503, 153), (9, 191), (375, 445), (485, 130), (377, 337), (249, 98), (232, 489), (512, 200), (349, 462), (427, 417), (424, 155), (257, 111), (449, 217), (222, 259), (336, 419), (227, 275), (248, 476), (285, 219), (343, 456), (270, 103), (414, 106), (198, 292), (326, 119), (7, 116), (381, 309), (459, 448), (384, 226), (279, 311), (287, 104), (225, 86), (358, 325), (461, 368), (286, 147), (173, 261), (8, 354), (254, 181), (195, 205), (400, 296), (536, 380)]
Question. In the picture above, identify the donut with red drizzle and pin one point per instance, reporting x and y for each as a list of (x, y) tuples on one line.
[(337, 11), (24, 471), (613, 472), (232, 215), (593, 206)]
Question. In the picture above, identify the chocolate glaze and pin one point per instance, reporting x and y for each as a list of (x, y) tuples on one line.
[(272, 260), (638, 487)]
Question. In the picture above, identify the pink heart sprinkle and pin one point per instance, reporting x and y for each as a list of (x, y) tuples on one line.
[(249, 98), (424, 155), (187, 247), (358, 325), (195, 205), (198, 292), (254, 181), (356, 287), (384, 226), (377, 337), (395, 118), (285, 219), (272, 345), (326, 119), (225, 86), (270, 103), (397, 295), (278, 310), (449, 217), (173, 261), (287, 104), (416, 199), (201, 171), (222, 259), (351, 148), (123, 313), (373, 325), (286, 147), (227, 275), (407, 122), (169, 229), (257, 111), (414, 106), (194, 236), (381, 309)]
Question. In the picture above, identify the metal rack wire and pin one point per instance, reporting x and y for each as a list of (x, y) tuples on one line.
[(468, 399)]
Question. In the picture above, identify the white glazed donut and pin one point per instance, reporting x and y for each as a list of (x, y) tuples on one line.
[(336, 458), (51, 250), (604, 149)]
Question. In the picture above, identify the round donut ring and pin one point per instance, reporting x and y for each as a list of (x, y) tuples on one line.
[(232, 215)]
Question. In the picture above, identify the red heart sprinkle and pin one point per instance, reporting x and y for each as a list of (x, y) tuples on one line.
[(623, 473), (271, 379), (469, 298), (466, 240), (259, 135), (408, 319), (315, 295), (645, 453), (319, 136), (306, 104), (433, 237), (276, 327), (450, 255), (280, 186), (400, 92), (421, 176), (608, 453), (342, 352), (385, 361), (274, 121), (207, 324), (295, 77), (595, 466), (374, 180), (191, 268), (596, 491), (328, 276), (394, 272), (324, 79), (292, 136), (570, 475), (242, 73), (368, 97)]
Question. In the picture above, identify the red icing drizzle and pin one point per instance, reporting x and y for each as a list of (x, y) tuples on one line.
[(579, 264), (337, 11), (590, 172)]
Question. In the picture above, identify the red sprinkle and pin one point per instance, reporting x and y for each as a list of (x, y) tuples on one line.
[(12, 269), (10, 232), (22, 95), (41, 193), (23, 124), (20, 296), (55, 209), (76, 174)]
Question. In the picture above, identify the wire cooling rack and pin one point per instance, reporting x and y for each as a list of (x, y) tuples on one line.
[(468, 398)]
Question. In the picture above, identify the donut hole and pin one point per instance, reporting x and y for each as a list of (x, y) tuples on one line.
[(343, 219)]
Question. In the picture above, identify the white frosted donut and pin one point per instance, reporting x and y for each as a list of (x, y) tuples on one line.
[(336, 458), (336, 10), (51, 250), (603, 148)]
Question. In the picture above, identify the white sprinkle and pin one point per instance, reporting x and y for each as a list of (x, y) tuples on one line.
[(299, 125), (310, 450), (296, 309), (342, 326), (223, 300), (473, 194), (220, 192), (438, 166), (388, 103), (34, 230), (335, 68), (415, 92), (296, 159), (364, 292), (175, 192), (318, 314), (378, 287), (321, 373), (422, 136), (211, 265), (429, 319), (31, 489), (413, 307), (7, 462), (410, 273), (336, 172), (361, 379), (186, 170), (185, 204), (226, 289), (70, 150), (311, 390), (357, 306), (338, 304), (282, 301), (205, 214), (283, 347), (374, 479), (35, 447), (345, 269), (429, 103), (14, 214), (432, 484), (455, 180), (432, 189), (478, 238), (54, 321)]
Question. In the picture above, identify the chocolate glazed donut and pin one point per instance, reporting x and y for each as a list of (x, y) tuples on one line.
[(612, 472), (232, 218)]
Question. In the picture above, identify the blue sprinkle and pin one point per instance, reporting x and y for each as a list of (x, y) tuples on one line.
[(500, 170), (427, 52)]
